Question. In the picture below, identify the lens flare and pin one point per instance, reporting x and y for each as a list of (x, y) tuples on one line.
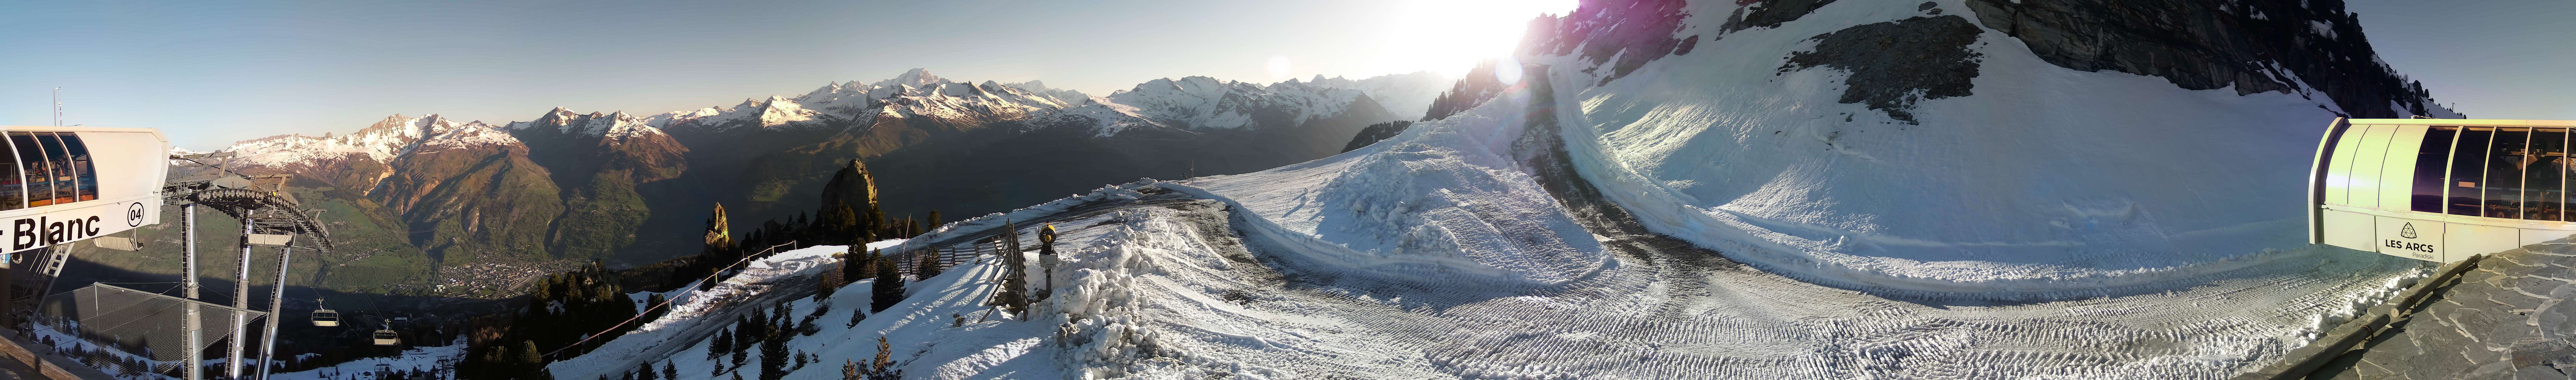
[(1279, 66), (1450, 36)]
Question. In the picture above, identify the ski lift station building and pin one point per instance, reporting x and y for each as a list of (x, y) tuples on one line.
[(66, 184), (2441, 189)]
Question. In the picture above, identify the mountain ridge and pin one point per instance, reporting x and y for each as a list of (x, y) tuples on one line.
[(615, 185)]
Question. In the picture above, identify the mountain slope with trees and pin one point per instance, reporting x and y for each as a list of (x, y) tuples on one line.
[(629, 189)]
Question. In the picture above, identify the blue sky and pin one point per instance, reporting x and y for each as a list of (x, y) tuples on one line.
[(209, 74), (2496, 59)]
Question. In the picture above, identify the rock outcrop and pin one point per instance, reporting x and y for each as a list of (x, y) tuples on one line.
[(2252, 46)]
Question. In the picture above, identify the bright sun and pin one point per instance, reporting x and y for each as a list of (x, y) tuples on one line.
[(1449, 36)]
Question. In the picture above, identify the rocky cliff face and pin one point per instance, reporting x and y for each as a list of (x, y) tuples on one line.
[(2253, 46)]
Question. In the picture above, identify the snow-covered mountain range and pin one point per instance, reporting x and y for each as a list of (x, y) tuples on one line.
[(1187, 103), (1777, 189), (601, 184)]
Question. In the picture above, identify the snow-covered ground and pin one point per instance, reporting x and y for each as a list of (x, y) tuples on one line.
[(697, 314), (2046, 179), (1707, 216), (422, 359), (1161, 286)]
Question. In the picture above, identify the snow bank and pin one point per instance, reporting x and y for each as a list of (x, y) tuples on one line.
[(1446, 195), (2047, 179)]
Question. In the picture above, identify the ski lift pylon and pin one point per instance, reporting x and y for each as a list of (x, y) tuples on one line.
[(324, 316), (387, 337)]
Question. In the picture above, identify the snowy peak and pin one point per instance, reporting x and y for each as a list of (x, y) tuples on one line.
[(470, 135), (1103, 116), (1058, 95), (1189, 102), (1402, 94), (1203, 102), (915, 78), (616, 125), (383, 141)]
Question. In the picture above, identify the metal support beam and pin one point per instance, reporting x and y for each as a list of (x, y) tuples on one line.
[(192, 333), (276, 307), (241, 300)]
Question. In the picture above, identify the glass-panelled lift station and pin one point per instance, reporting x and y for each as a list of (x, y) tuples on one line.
[(2441, 189), (67, 184)]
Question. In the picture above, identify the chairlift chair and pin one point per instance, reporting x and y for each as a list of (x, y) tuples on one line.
[(387, 337), (325, 317)]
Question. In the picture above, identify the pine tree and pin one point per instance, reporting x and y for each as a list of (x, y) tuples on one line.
[(773, 358), (527, 359), (854, 265), (850, 370), (873, 224), (883, 367), (740, 355), (750, 329), (644, 371), (723, 343), (783, 321), (670, 372), (927, 267), (875, 257), (888, 289), (844, 224), (934, 219)]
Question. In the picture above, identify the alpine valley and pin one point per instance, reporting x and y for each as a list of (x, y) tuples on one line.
[(433, 206)]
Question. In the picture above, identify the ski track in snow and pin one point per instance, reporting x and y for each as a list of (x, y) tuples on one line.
[(1210, 294), (1440, 253)]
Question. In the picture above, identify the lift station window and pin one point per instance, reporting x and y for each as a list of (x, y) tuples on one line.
[(2468, 170), (2495, 172), (13, 187), (2545, 173), (84, 174), (31, 158), (2430, 160), (2505, 160), (53, 169)]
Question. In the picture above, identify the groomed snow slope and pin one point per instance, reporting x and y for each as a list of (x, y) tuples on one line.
[(1160, 282), (2046, 179), (2058, 224)]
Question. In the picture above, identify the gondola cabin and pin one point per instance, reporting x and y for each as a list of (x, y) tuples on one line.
[(387, 336), (323, 316), (2441, 190), (67, 184)]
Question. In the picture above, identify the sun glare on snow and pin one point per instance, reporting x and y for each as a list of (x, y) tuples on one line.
[(1449, 36)]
